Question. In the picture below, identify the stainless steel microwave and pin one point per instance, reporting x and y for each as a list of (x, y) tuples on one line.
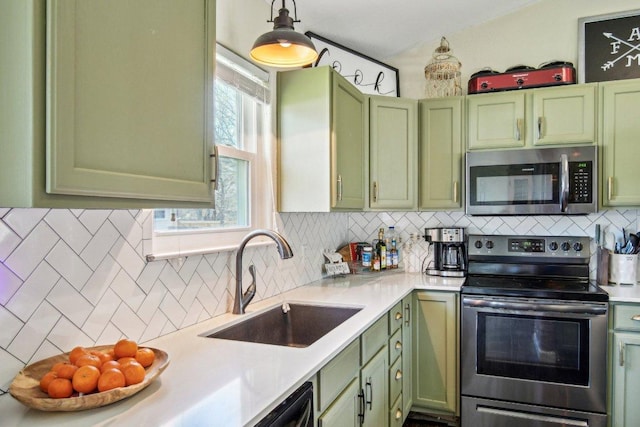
[(541, 181)]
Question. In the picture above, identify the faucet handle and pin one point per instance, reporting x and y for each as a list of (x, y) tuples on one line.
[(251, 290)]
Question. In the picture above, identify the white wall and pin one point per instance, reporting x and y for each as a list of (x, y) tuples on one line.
[(545, 31)]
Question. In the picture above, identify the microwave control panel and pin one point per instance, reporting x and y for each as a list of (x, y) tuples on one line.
[(581, 182)]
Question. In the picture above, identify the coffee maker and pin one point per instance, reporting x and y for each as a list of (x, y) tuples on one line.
[(449, 251)]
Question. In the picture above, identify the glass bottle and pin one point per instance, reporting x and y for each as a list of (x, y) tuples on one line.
[(381, 249)]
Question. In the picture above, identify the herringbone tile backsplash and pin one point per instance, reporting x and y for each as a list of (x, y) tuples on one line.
[(79, 277)]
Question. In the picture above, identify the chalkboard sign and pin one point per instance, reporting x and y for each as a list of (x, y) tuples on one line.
[(609, 47), (369, 75)]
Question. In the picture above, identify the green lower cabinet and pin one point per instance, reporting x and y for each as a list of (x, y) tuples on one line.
[(624, 365), (436, 359), (626, 373), (343, 412), (407, 345), (373, 379), (396, 414)]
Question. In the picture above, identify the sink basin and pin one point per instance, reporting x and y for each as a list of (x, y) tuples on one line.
[(303, 325)]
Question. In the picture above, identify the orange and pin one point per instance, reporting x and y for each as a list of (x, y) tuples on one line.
[(134, 373), (145, 357), (125, 348), (104, 357), (124, 361), (85, 380), (65, 370), (110, 379), (46, 380), (88, 359), (111, 364), (60, 388), (75, 353)]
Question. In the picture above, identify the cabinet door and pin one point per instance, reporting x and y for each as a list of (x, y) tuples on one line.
[(129, 91), (564, 115), (407, 351), (620, 102), (374, 383), (496, 120), (441, 153), (343, 412), (626, 387), (348, 146), (393, 153), (435, 352)]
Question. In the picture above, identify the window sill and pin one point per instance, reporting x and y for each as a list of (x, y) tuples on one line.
[(257, 242)]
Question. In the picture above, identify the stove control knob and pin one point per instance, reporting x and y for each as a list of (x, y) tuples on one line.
[(565, 246), (489, 244), (484, 85), (577, 246), (553, 246), (478, 244), (520, 82)]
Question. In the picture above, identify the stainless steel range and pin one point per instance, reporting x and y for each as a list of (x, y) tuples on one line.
[(534, 334)]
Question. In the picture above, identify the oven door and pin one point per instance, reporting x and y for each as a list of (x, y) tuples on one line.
[(541, 352)]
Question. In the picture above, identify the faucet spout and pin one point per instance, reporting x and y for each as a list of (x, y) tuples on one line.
[(241, 300)]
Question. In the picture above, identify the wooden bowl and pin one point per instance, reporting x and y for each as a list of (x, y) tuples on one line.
[(26, 385)]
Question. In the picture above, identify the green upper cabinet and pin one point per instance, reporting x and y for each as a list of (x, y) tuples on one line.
[(393, 141), (322, 142), (564, 115), (496, 120), (620, 150), (115, 99), (558, 115), (441, 149)]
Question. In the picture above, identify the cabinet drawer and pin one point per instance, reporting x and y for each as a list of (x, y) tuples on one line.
[(335, 376), (395, 380), (396, 417), (626, 317), (395, 317), (374, 338), (395, 345)]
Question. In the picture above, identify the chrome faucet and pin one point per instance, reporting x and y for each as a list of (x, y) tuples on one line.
[(242, 300)]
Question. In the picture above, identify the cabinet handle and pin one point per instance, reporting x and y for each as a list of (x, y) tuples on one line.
[(636, 317), (539, 127), (455, 192), (361, 410), (398, 414), (398, 315), (375, 191), (407, 317), (339, 188), (398, 345), (621, 353), (610, 188), (215, 176), (398, 374), (369, 386), (518, 129)]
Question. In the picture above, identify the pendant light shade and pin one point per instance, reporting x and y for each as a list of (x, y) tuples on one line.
[(283, 47)]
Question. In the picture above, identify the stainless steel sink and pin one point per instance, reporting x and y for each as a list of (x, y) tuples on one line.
[(300, 326)]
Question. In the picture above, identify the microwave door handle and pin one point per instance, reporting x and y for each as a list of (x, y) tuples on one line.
[(564, 182)]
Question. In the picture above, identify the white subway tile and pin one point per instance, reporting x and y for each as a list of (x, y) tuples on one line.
[(65, 223), (151, 303), (65, 335), (128, 291), (67, 300), (100, 280), (34, 332), (9, 368), (93, 219), (9, 240), (155, 326), (173, 310), (69, 265), (126, 321), (127, 257), (32, 250), (99, 318), (11, 325), (33, 291), (22, 221), (9, 284), (100, 245)]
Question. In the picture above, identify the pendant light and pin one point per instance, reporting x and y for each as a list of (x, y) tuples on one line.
[(284, 47)]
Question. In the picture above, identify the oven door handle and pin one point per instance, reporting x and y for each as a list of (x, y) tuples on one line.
[(536, 306)]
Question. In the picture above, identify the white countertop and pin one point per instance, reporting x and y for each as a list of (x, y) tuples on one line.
[(623, 293), (212, 382)]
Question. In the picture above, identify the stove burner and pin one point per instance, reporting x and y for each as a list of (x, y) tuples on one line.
[(554, 64), (484, 72)]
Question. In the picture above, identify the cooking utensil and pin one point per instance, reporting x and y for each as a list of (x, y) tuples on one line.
[(602, 257)]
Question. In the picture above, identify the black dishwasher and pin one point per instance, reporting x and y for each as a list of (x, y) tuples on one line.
[(295, 411)]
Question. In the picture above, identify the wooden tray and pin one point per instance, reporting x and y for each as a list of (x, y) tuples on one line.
[(26, 385)]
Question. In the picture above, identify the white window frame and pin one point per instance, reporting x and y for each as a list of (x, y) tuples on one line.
[(172, 244)]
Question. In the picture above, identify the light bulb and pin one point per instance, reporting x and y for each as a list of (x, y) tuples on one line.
[(285, 44)]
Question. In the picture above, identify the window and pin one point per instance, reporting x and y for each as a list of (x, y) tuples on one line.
[(243, 198)]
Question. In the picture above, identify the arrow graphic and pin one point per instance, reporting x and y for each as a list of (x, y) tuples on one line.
[(609, 64)]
